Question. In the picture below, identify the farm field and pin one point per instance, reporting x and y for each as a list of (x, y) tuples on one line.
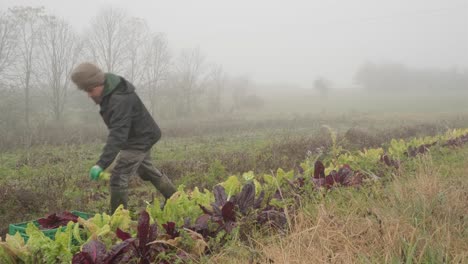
[(262, 132), (408, 206), (421, 216), (259, 132)]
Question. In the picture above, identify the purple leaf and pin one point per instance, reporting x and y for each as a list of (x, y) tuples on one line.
[(228, 212), (123, 235), (143, 229), (49, 221), (118, 251), (146, 233), (344, 174), (388, 161), (56, 220), (246, 197), (216, 210), (329, 181), (171, 229), (259, 200), (220, 195), (201, 226), (94, 251), (82, 258), (337, 177), (131, 249), (67, 216), (135, 248), (319, 170), (202, 221), (319, 182)]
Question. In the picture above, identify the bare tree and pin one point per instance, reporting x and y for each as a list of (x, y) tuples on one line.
[(28, 20), (108, 39), (58, 54), (191, 70), (138, 35), (322, 86), (240, 87), (8, 41), (156, 67), (218, 80)]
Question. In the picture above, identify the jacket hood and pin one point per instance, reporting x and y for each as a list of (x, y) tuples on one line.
[(113, 83)]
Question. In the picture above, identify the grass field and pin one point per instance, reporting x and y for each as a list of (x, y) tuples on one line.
[(419, 215)]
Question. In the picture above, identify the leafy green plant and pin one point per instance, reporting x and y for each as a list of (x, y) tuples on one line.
[(336, 149), (397, 149), (232, 186), (180, 207)]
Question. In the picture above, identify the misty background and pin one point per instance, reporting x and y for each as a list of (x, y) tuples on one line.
[(206, 61)]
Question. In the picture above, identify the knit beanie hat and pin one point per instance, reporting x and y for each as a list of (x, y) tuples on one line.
[(87, 76)]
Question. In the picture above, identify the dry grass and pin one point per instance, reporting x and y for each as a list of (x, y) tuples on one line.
[(419, 218)]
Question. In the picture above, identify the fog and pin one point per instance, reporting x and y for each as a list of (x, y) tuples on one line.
[(295, 42), (229, 60)]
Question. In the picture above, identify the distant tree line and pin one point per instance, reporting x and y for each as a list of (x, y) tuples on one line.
[(400, 78)]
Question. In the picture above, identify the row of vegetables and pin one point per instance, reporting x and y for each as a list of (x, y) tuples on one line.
[(194, 223)]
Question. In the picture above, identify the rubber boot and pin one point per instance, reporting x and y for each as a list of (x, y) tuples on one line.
[(118, 196), (164, 185)]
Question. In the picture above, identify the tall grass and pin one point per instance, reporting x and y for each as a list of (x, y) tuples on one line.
[(421, 216)]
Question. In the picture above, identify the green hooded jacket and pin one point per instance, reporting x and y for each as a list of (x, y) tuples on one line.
[(129, 122)]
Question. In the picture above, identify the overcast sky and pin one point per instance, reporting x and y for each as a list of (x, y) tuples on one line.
[(295, 41)]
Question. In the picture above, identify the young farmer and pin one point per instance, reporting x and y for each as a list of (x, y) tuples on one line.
[(132, 132)]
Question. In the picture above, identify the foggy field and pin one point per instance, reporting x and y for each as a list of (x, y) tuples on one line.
[(358, 103), (51, 175), (293, 131), (205, 154)]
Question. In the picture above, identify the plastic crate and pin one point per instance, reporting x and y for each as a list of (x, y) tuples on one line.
[(50, 233)]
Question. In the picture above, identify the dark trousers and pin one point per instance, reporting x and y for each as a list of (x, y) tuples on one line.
[(131, 162)]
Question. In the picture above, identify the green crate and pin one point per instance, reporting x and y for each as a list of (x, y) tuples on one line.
[(50, 233)]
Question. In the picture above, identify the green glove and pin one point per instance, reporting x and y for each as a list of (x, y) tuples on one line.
[(95, 172)]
